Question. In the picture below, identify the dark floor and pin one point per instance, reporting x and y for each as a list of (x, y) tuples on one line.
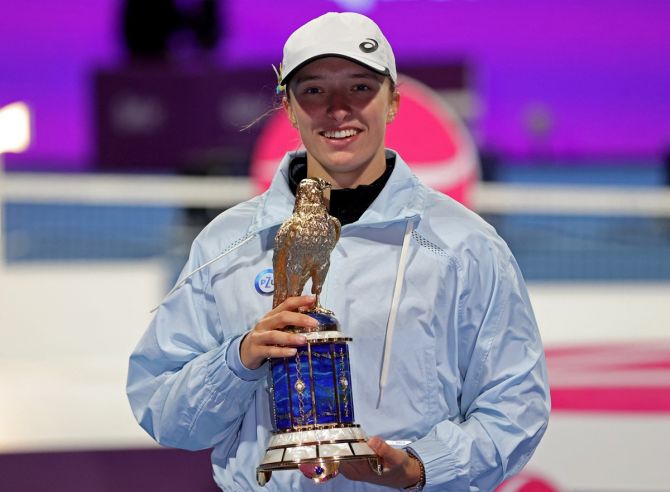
[(164, 470)]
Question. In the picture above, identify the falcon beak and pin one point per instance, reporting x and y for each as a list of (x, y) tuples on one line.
[(325, 185)]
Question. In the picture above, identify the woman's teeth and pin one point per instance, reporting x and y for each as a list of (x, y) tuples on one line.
[(340, 133)]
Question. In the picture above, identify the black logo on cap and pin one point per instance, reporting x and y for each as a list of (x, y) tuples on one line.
[(369, 45)]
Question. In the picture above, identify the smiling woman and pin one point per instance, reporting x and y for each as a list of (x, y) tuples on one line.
[(341, 111), (447, 367)]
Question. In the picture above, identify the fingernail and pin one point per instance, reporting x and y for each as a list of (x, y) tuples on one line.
[(292, 351), (374, 443), (300, 340)]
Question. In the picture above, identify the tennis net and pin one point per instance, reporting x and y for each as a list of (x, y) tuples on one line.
[(556, 232)]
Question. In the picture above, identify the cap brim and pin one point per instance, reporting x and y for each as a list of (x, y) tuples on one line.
[(375, 67)]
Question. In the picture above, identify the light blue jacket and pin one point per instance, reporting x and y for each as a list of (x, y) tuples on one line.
[(464, 377)]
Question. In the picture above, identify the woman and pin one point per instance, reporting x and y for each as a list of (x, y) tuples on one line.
[(446, 354)]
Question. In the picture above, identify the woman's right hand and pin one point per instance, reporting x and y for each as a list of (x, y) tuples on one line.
[(266, 340)]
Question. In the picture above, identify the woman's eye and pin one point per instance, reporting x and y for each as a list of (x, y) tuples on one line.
[(361, 87), (312, 90)]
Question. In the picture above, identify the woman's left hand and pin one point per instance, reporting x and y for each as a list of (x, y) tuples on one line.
[(399, 469)]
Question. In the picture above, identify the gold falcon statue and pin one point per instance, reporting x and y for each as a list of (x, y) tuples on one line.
[(304, 242)]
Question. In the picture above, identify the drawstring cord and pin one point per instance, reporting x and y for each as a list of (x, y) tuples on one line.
[(390, 325), (183, 281)]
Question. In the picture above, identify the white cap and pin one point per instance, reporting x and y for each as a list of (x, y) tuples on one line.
[(346, 35)]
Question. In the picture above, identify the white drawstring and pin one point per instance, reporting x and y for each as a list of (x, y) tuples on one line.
[(390, 325), (183, 281)]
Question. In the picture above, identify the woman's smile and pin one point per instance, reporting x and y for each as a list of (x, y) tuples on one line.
[(343, 134)]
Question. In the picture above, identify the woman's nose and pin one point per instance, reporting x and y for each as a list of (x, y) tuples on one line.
[(339, 106)]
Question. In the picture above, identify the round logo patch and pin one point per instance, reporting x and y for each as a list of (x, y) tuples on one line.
[(369, 45), (265, 282)]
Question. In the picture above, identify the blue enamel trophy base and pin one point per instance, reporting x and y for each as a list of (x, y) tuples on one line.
[(313, 388), (312, 408)]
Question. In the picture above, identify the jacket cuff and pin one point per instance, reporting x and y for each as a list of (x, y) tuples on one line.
[(441, 467), (234, 362)]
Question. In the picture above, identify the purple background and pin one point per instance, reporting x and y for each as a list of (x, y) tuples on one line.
[(600, 68)]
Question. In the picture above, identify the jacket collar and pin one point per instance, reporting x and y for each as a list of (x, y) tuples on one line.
[(403, 197)]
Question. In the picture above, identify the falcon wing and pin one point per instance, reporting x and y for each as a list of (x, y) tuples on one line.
[(337, 226)]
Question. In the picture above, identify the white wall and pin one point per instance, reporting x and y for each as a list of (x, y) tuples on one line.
[(65, 335)]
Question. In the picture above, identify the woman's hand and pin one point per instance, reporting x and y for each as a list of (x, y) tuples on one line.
[(265, 340), (399, 469)]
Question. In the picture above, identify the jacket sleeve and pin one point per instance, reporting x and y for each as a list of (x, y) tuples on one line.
[(505, 401), (186, 385)]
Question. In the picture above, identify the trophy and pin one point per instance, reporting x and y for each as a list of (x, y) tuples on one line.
[(311, 397)]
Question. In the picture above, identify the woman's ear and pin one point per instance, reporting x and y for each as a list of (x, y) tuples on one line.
[(289, 111), (393, 108)]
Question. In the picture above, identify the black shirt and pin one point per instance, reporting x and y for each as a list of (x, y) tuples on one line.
[(347, 204)]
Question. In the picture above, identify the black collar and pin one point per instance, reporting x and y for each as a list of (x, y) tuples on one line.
[(347, 204)]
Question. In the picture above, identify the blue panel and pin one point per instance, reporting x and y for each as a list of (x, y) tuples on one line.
[(324, 384), (281, 401)]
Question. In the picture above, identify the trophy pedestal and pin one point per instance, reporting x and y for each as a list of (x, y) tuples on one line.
[(316, 452), (312, 409)]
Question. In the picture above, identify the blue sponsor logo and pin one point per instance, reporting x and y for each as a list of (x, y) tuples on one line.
[(265, 282)]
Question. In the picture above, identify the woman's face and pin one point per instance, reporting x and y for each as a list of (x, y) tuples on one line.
[(341, 110)]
